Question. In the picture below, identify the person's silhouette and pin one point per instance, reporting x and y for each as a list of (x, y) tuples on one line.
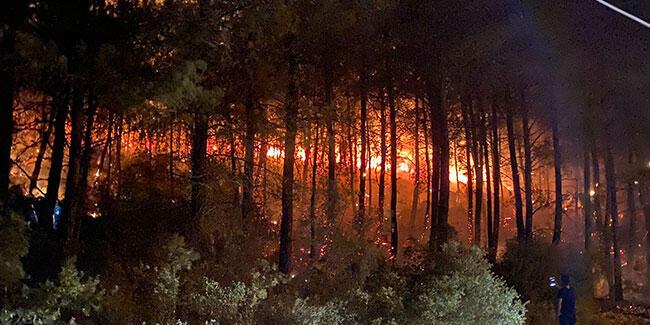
[(566, 304)]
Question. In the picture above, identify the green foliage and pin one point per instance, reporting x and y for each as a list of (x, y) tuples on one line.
[(71, 297), (177, 257), (527, 266), (238, 302), (186, 91), (466, 292), (332, 312), (13, 236), (73, 294)]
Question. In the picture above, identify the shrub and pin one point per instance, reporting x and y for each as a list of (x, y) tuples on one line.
[(14, 239), (465, 291), (176, 257), (333, 312), (236, 303), (72, 296), (527, 266)]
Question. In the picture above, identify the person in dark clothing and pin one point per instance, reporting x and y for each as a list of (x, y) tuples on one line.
[(566, 304)]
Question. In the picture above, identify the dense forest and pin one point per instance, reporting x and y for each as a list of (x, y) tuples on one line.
[(323, 162)]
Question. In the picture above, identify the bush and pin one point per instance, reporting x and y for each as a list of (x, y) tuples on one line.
[(14, 239), (527, 266), (333, 312), (72, 296), (464, 291), (237, 303)]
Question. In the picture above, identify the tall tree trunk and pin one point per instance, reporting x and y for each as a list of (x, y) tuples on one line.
[(370, 170), (528, 168), (468, 167), (610, 174), (107, 146), (361, 215), (291, 114), (332, 190), (496, 183), (74, 153), (312, 199), (586, 178), (516, 187), (7, 89), (557, 228), (434, 113), (599, 216), (351, 163), (172, 190), (394, 240), (46, 131), (263, 172), (427, 161), (443, 190), (478, 170), (382, 169), (416, 186), (118, 155), (56, 159), (233, 172), (631, 210), (249, 156), (77, 210), (199, 157), (644, 197), (488, 180)]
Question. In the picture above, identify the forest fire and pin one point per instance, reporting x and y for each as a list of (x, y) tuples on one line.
[(323, 162)]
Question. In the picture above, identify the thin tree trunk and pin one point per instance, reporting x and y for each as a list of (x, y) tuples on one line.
[(478, 170), (351, 164), (382, 168), (199, 156), (528, 169), (488, 180), (516, 187), (586, 178), (428, 168), (557, 228), (645, 203), (118, 156), (77, 210), (496, 183), (233, 163), (106, 150), (263, 173), (468, 167), (45, 140), (436, 140), (291, 114), (56, 159), (631, 211), (306, 164), (7, 89), (332, 190), (394, 240), (456, 167), (370, 170), (443, 190), (74, 153), (172, 190), (312, 199), (610, 173), (249, 156), (416, 186), (361, 215)]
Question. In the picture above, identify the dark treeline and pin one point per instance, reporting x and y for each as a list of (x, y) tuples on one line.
[(303, 116)]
